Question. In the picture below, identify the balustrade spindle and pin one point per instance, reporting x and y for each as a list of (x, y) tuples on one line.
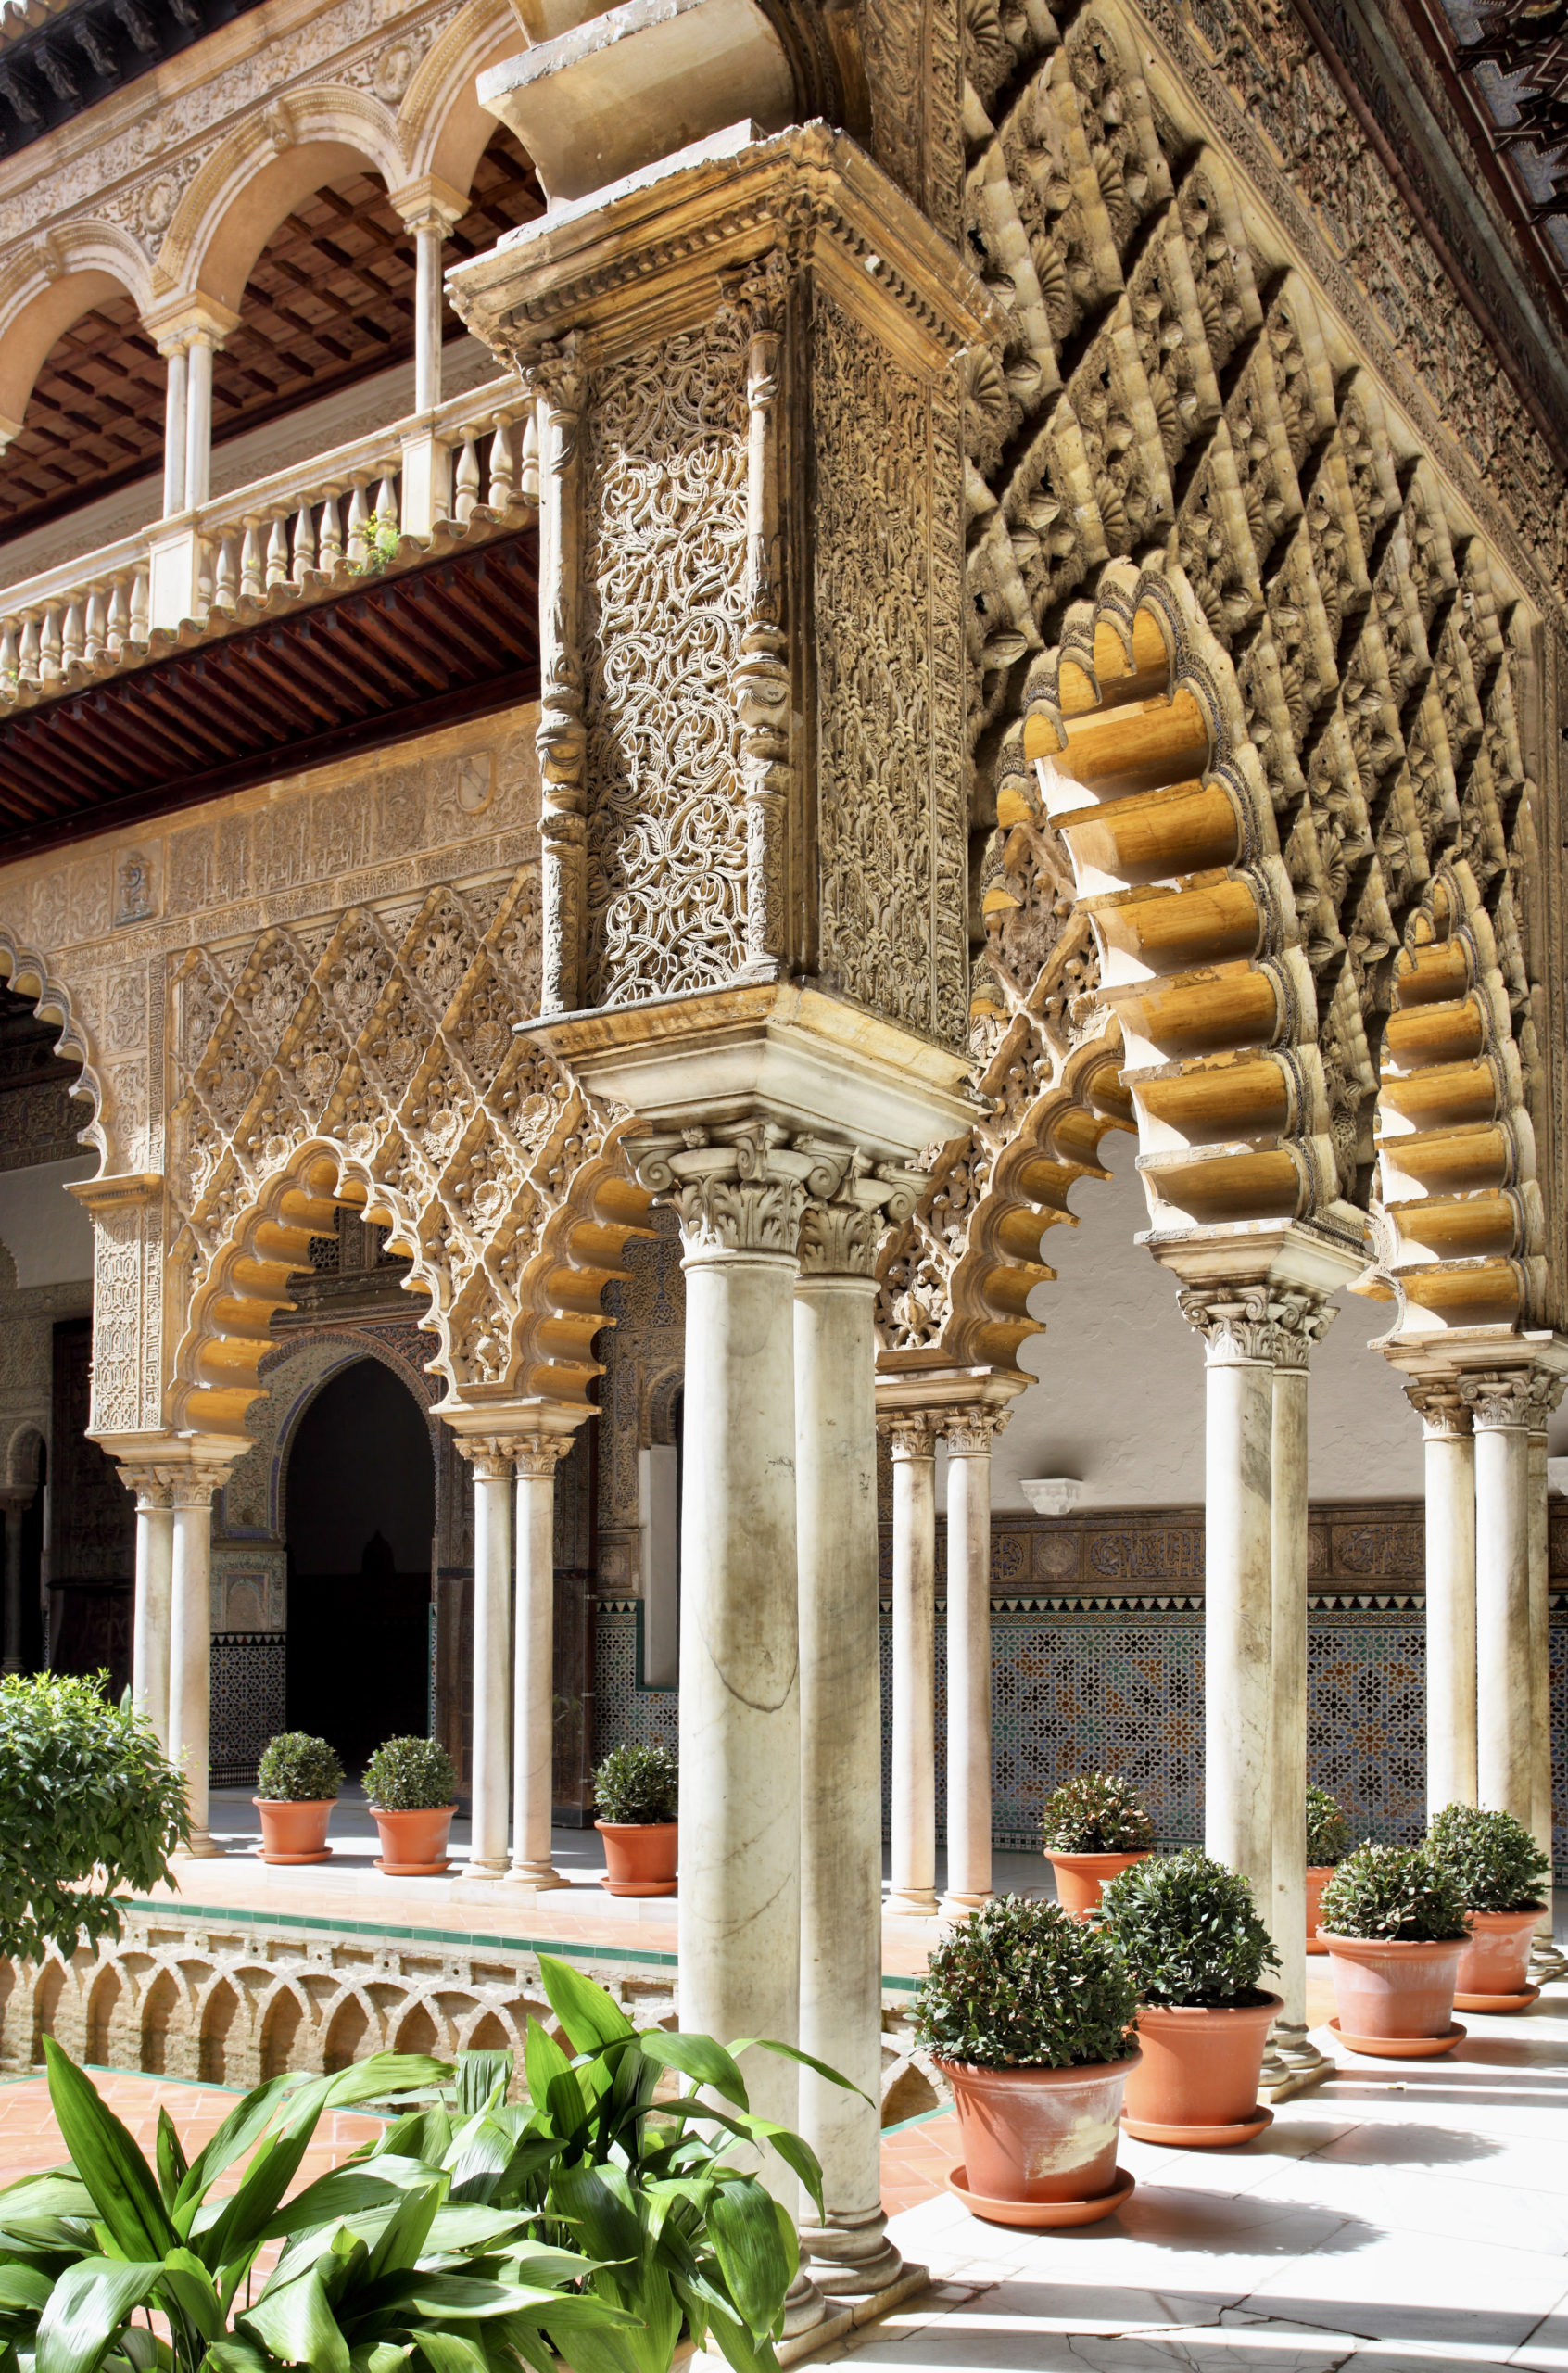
[(277, 556), (529, 477), (10, 666), (49, 645), (331, 536), (253, 582), (386, 519), (225, 589), (504, 467), (304, 543), (118, 616), (97, 616), (467, 483), (72, 639), (359, 538), (141, 602), (29, 666)]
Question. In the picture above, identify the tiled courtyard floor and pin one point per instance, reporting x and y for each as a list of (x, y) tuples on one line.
[(30, 2140)]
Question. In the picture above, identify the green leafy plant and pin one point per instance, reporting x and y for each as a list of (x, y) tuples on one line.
[(1188, 1930), (89, 1807), (1097, 1813), (1493, 1859), (1396, 1893), (1019, 1984), (383, 2266), (638, 1784), (1328, 1831), (380, 538), (410, 1776), (297, 1770)]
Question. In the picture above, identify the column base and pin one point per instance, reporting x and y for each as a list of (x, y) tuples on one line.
[(1292, 2064), (487, 1869), (844, 2317), (538, 1875), (852, 2256), (1546, 1962), (914, 1903), (202, 1847), (804, 2307), (958, 1906)]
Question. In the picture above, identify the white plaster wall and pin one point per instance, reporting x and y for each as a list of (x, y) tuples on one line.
[(1119, 1402), (46, 1232)]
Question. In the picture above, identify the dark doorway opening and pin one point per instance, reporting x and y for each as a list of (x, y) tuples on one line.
[(360, 1509)]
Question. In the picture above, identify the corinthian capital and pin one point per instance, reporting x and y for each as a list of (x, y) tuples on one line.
[(969, 1433), (490, 1455), (1499, 1400), (1442, 1408), (910, 1433), (849, 1205), (740, 1189), (537, 1457), (1300, 1319), (151, 1485), (1234, 1321)]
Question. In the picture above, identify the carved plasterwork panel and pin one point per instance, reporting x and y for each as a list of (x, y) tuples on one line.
[(891, 779), (664, 602)]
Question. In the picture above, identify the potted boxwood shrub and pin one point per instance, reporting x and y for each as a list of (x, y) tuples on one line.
[(1190, 1934), (1090, 1828), (1328, 1842), (1503, 1877), (637, 1790), (1394, 1924), (297, 1783), (1030, 2017), (412, 1791)]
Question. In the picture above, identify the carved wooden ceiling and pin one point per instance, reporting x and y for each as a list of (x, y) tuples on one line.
[(331, 300), (455, 639)]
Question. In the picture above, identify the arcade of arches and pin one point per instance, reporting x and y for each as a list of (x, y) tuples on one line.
[(1043, 711)]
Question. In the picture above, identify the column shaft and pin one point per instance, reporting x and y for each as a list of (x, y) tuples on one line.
[(198, 423), (190, 1676), (1503, 1608), (841, 1771), (151, 1619), (1286, 1911), (428, 240), (968, 1661), (1450, 1598), (1539, 1650), (914, 1666), (533, 1713), (492, 1654), (176, 378)]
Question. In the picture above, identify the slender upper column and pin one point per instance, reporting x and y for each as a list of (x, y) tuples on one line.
[(190, 1660), (1450, 1591), (15, 1499), (1500, 1403), (151, 1612), (912, 1444), (491, 1459), (532, 1722), (968, 1437), (175, 382), (1238, 1576), (841, 1726), (203, 345), (1300, 1322), (1542, 1403)]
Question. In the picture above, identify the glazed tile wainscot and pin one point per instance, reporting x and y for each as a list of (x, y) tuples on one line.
[(1104, 1665)]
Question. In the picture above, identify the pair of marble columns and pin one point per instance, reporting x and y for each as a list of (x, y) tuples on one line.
[(781, 1865), (1488, 1707), (172, 1622), (513, 1648), (968, 1431)]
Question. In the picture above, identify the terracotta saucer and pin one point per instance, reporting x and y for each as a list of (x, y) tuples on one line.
[(1399, 2047), (412, 1870), (287, 1860), (638, 1887), (1501, 2006), (1040, 2214), (1198, 2138)]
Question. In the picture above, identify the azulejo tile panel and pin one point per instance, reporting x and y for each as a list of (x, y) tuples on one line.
[(1117, 1685), (249, 1684)]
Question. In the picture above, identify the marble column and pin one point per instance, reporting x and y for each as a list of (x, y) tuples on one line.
[(912, 1444), (430, 233), (1238, 1576), (1301, 1320), (190, 1648), (969, 1436), (198, 417), (15, 1499), (533, 1707), (1449, 1444), (151, 1613), (491, 1460), (1546, 1962), (739, 1203), (841, 2019), (1499, 1409), (176, 379)]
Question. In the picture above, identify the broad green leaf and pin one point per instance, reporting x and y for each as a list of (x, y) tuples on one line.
[(86, 2308), (380, 2356), (744, 2230), (468, 2225), (479, 2075), (598, 2210), (108, 2162), (403, 2242), (585, 2010), (188, 2285), (451, 2353), (568, 2111), (295, 2321), (236, 2356), (25, 2290), (699, 2057), (343, 2192), (173, 2165), (742, 2352), (383, 2075), (788, 2052), (55, 2194), (244, 2126), (543, 2060)]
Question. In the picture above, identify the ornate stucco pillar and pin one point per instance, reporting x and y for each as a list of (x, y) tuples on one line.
[(1449, 1452), (491, 1457), (911, 1446), (1300, 1322), (840, 1725), (969, 1436), (533, 1701)]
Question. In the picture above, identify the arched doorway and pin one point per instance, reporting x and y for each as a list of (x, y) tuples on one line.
[(360, 1509)]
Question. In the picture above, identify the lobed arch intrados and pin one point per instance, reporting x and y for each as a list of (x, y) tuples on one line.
[(26, 973)]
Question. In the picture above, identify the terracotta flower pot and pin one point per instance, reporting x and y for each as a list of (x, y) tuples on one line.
[(639, 1856), (1038, 2135), (1317, 1876), (295, 1831), (1395, 2000), (1081, 1877), (1494, 1968), (1196, 2079), (413, 1846)]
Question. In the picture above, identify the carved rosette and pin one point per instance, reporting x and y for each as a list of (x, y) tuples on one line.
[(560, 385), (1444, 1413), (910, 1433)]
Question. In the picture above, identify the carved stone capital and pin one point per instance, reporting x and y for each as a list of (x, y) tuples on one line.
[(1499, 1400), (740, 1189), (1546, 1391), (537, 1455), (910, 1433), (842, 1231), (559, 378), (1301, 1320), (151, 1485), (196, 1487), (490, 1455), (1234, 1321), (1443, 1411), (969, 1433)]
